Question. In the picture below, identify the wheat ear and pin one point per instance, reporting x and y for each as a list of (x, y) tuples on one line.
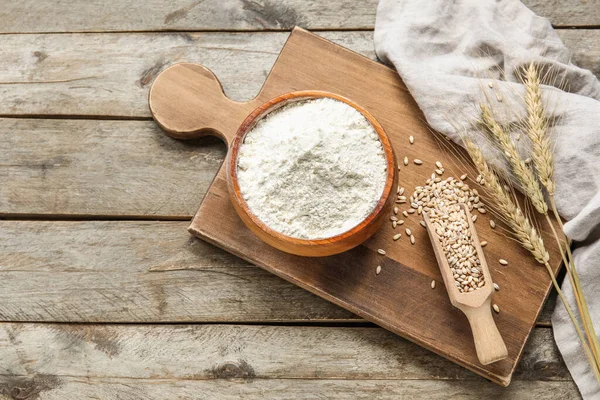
[(537, 129), (525, 233), (521, 171), (523, 229)]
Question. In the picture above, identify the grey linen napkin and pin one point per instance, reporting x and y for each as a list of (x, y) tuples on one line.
[(442, 49)]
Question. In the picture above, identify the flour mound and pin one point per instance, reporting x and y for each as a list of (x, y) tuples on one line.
[(312, 169)]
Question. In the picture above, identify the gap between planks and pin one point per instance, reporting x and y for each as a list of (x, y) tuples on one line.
[(235, 15), (338, 323), (122, 91), (319, 30), (91, 217), (82, 117)]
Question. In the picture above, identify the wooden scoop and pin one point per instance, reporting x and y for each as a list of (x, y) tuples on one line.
[(475, 305)]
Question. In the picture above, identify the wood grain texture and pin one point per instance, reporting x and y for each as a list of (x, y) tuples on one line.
[(35, 176), (109, 75), (399, 299), (68, 388), (170, 276), (189, 15), (208, 352), (584, 48), (97, 271), (125, 168), (106, 271)]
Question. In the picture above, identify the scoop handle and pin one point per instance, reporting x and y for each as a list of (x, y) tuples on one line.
[(489, 344)]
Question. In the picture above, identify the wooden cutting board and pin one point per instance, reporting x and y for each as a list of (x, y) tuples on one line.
[(187, 101)]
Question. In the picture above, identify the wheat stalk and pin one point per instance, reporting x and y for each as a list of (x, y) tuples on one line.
[(537, 127), (522, 172), (525, 233), (537, 131)]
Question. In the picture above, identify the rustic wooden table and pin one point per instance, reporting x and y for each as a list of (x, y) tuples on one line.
[(103, 294)]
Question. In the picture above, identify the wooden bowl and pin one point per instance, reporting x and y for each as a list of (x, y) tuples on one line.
[(305, 247)]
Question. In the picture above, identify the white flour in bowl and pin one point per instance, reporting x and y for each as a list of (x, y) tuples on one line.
[(312, 169)]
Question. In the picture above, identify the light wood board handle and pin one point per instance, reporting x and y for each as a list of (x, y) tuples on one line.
[(488, 343), (187, 101)]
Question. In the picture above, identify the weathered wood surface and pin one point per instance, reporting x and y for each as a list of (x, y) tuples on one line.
[(109, 75), (98, 271), (68, 388), (107, 271), (191, 15), (205, 352), (64, 361), (138, 272), (124, 168), (90, 167)]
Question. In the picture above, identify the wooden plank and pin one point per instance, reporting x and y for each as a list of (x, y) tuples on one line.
[(110, 74), (67, 388), (127, 185), (567, 13), (124, 168), (207, 352), (188, 15), (107, 271), (584, 47)]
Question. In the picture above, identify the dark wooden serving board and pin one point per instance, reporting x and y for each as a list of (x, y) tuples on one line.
[(187, 101)]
